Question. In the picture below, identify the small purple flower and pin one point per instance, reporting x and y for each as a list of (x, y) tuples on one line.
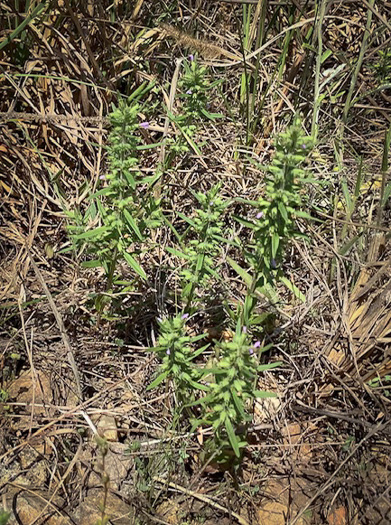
[(273, 264), (303, 146), (244, 329), (102, 177), (191, 58), (257, 344), (144, 125), (251, 351), (185, 316), (189, 92), (168, 352), (260, 215)]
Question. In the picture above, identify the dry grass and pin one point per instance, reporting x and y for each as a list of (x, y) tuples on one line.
[(58, 80)]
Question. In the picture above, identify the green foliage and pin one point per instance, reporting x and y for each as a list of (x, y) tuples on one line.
[(194, 86), (233, 391), (176, 351), (202, 250), (281, 204), (382, 66), (4, 517), (124, 210)]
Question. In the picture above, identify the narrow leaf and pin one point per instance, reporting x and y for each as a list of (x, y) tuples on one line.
[(160, 378), (240, 271), (135, 265), (293, 288), (132, 224), (233, 439), (91, 233)]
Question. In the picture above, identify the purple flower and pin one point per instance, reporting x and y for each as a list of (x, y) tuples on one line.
[(260, 215), (144, 125), (257, 344), (244, 329), (189, 92), (303, 146), (185, 316), (273, 264), (102, 177), (191, 58), (168, 352), (250, 351)]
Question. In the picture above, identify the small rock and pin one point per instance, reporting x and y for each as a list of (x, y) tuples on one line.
[(32, 393), (338, 516), (107, 427), (170, 512), (293, 436), (89, 510), (32, 507), (285, 500), (117, 465)]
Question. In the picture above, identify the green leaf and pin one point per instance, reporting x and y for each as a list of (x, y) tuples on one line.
[(135, 265), (104, 191), (130, 179), (186, 219), (36, 12), (261, 394), (133, 225), (211, 116), (245, 222), (176, 252), (293, 288), (92, 264), (201, 400), (238, 403), (91, 233), (233, 439), (199, 351), (282, 210), (160, 378), (198, 386), (200, 262), (348, 199), (240, 271), (275, 244), (262, 368), (4, 517), (325, 55)]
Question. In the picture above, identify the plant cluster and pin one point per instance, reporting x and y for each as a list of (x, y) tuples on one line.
[(194, 86), (233, 390), (176, 351), (281, 204), (124, 209), (382, 66), (204, 247)]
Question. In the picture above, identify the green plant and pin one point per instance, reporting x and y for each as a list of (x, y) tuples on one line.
[(234, 388), (202, 250), (276, 211), (382, 66), (4, 517), (176, 351), (194, 87), (124, 209)]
